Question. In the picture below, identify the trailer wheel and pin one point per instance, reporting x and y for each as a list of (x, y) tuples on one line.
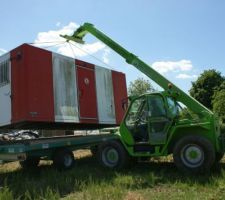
[(194, 154), (63, 159), (112, 154), (30, 162), (219, 157), (94, 150)]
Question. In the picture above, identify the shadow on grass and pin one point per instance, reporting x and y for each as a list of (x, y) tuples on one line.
[(87, 171)]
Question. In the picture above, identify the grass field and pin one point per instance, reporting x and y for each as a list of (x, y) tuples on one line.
[(158, 179)]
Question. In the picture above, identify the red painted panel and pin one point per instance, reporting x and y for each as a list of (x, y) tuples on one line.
[(86, 92), (120, 94), (84, 64), (18, 85), (32, 85)]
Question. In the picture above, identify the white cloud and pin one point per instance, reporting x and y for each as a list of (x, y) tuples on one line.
[(80, 50), (105, 56), (174, 66), (186, 76), (58, 24), (54, 35), (2, 51), (75, 50)]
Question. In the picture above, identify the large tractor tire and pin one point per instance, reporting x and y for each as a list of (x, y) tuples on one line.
[(112, 154), (194, 154)]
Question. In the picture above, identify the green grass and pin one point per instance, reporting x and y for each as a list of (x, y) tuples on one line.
[(146, 180)]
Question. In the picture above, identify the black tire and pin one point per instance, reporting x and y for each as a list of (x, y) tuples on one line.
[(112, 154), (30, 162), (194, 154), (94, 150), (219, 157), (63, 159)]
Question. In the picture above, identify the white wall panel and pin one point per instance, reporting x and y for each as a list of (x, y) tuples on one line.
[(65, 89), (105, 98), (5, 91)]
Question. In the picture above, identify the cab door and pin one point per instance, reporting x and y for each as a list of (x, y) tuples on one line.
[(136, 120), (158, 120)]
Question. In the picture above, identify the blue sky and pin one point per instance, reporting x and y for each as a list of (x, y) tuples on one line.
[(179, 38)]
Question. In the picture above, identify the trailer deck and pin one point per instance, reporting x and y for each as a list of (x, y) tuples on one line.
[(49, 148)]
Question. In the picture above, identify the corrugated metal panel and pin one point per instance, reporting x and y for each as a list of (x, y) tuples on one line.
[(105, 97), (120, 94), (87, 92), (5, 90), (32, 85), (65, 89), (19, 85), (40, 84)]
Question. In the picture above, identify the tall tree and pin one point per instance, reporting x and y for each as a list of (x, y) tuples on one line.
[(219, 101), (203, 88), (140, 86)]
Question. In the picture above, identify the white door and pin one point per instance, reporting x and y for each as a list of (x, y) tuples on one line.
[(65, 89), (105, 97), (5, 90)]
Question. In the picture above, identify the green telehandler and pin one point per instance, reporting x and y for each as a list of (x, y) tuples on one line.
[(160, 123)]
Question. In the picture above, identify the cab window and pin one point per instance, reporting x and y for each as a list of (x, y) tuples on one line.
[(172, 107), (135, 111), (156, 106)]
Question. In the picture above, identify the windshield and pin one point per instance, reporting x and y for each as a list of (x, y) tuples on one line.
[(173, 107), (156, 106)]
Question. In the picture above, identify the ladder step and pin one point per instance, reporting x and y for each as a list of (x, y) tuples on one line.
[(144, 148)]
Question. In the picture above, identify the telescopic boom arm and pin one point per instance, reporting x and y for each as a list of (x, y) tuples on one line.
[(132, 59)]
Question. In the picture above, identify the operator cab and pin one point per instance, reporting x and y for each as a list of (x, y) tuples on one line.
[(149, 118)]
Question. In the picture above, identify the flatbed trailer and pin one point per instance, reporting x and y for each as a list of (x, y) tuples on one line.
[(59, 149)]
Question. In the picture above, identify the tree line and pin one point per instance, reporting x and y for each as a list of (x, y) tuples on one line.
[(209, 89)]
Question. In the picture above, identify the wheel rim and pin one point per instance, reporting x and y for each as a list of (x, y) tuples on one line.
[(192, 155), (110, 157), (68, 160)]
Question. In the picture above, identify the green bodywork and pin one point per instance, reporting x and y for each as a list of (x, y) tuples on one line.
[(205, 124)]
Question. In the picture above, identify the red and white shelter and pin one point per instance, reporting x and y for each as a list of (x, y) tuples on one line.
[(42, 89)]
